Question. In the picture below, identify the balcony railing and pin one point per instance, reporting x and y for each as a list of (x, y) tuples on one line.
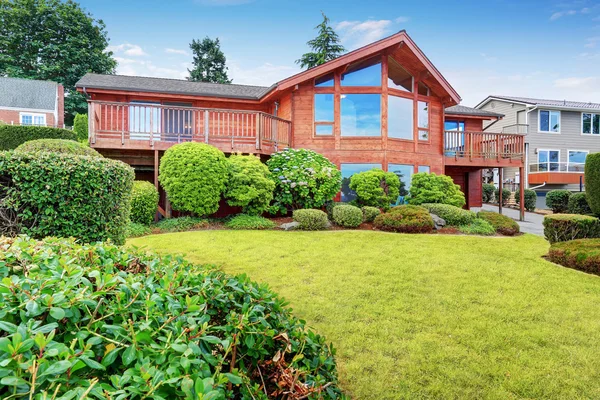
[(144, 125), (561, 167), (522, 129), (483, 145)]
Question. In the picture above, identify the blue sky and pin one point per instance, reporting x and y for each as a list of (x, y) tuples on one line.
[(545, 49)]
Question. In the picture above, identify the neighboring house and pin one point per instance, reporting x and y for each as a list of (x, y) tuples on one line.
[(382, 105), (559, 136), (31, 102)]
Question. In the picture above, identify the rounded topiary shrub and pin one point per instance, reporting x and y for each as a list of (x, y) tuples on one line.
[(563, 227), (487, 192), (303, 179), (502, 224), (144, 202), (581, 254), (347, 215), (311, 220), (375, 188), (454, 216), (432, 188), (11, 136), (530, 199), (558, 200), (194, 175), (592, 181), (57, 146), (578, 204), (505, 195), (48, 194), (405, 219), (249, 184), (102, 321), (370, 213)]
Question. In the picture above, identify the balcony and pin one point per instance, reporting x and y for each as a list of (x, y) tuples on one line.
[(144, 126), (484, 149), (556, 173)]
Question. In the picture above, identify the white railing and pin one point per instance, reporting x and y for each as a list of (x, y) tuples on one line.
[(552, 166)]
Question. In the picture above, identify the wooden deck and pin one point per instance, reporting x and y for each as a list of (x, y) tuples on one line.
[(484, 149)]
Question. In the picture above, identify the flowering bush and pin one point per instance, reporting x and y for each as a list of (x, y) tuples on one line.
[(303, 179)]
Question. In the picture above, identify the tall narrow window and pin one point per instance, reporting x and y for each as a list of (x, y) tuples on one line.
[(398, 78), (361, 114), (324, 114), (549, 121), (400, 118), (423, 117), (363, 73)]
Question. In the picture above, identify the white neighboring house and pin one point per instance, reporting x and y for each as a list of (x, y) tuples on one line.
[(31, 102)]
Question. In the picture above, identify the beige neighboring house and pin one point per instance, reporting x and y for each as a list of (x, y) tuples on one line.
[(31, 102)]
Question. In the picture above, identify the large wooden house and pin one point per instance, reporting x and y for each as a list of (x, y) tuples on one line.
[(383, 105)]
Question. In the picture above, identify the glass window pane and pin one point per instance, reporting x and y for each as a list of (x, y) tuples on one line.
[(364, 73), (26, 120), (587, 123), (423, 114), (423, 90), (454, 126), (39, 120), (347, 171), (400, 118), (324, 81), (555, 121), (544, 121), (596, 124), (542, 156), (325, 130), (361, 114), (424, 168), (554, 158), (404, 172), (398, 78), (577, 160), (324, 107)]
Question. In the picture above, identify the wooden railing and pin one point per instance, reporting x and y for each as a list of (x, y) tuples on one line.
[(144, 125), (484, 145)]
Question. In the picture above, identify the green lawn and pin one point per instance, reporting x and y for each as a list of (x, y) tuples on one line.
[(426, 316)]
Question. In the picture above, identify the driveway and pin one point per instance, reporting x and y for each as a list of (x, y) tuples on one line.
[(532, 224)]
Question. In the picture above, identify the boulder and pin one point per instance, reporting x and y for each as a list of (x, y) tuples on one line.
[(289, 226), (439, 222)]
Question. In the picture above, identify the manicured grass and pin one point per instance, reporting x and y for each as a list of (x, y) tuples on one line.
[(426, 316)]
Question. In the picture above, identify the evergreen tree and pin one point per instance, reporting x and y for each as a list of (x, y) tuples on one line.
[(209, 62), (325, 47)]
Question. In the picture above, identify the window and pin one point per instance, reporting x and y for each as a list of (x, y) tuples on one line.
[(423, 89), (454, 142), (423, 118), (363, 73), (404, 172), (361, 114), (548, 160), (454, 126), (590, 124), (549, 121), (400, 118), (324, 81), (576, 160), (424, 168), (32, 119), (347, 171), (398, 78), (324, 114)]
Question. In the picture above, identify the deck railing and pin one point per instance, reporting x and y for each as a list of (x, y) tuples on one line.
[(484, 145), (555, 166), (151, 123)]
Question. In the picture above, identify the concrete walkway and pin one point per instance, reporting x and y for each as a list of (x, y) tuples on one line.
[(533, 222)]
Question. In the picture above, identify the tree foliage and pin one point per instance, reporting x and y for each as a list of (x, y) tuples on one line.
[(249, 184), (55, 41), (375, 188), (209, 62), (325, 47), (80, 127), (432, 188)]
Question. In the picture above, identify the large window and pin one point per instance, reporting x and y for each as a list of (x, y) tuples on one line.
[(548, 160), (576, 160), (324, 114), (361, 114), (400, 118), (347, 171), (324, 81), (32, 119), (549, 121), (404, 172), (363, 73), (398, 78), (590, 124)]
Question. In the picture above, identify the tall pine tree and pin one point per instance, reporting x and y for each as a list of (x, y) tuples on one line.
[(325, 47), (209, 62)]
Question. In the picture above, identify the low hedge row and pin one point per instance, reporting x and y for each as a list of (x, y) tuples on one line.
[(57, 146), (249, 222), (565, 227), (11, 136), (454, 216), (406, 219), (580, 254), (558, 200), (501, 223)]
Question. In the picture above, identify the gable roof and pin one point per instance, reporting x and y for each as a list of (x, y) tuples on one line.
[(464, 110), (28, 94), (543, 102)]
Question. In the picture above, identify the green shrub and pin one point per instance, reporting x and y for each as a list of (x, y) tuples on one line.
[(592, 181), (478, 227), (530, 199), (80, 127), (311, 220), (347, 216), (405, 219), (370, 213), (454, 216), (564, 227), (375, 188), (578, 204), (47, 194), (432, 188), (558, 200), (180, 224), (194, 175), (57, 146), (501, 223), (11, 136), (505, 195), (137, 230), (330, 205), (144, 202), (487, 192), (243, 221), (249, 184), (581, 254), (105, 322), (303, 179)]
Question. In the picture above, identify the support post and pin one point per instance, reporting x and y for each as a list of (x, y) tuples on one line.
[(156, 179), (521, 193), (500, 187)]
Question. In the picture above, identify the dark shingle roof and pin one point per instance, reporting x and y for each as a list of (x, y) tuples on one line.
[(551, 103), (28, 94), (171, 86), (463, 110)]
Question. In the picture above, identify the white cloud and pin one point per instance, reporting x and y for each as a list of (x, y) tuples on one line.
[(585, 10), (127, 49), (176, 51), (561, 14), (592, 42), (355, 34), (262, 75), (587, 84), (133, 67), (401, 20)]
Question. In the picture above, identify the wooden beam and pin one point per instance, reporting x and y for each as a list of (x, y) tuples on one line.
[(500, 187), (522, 193)]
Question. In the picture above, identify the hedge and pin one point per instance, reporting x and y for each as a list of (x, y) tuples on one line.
[(592, 181), (578, 204), (11, 136), (57, 146), (180, 224), (347, 216), (580, 254), (311, 220), (144, 202), (530, 199), (564, 227), (501, 223), (487, 193), (249, 184), (454, 216), (63, 195), (405, 219), (505, 195), (432, 188), (370, 213), (375, 188), (106, 322), (558, 200)]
